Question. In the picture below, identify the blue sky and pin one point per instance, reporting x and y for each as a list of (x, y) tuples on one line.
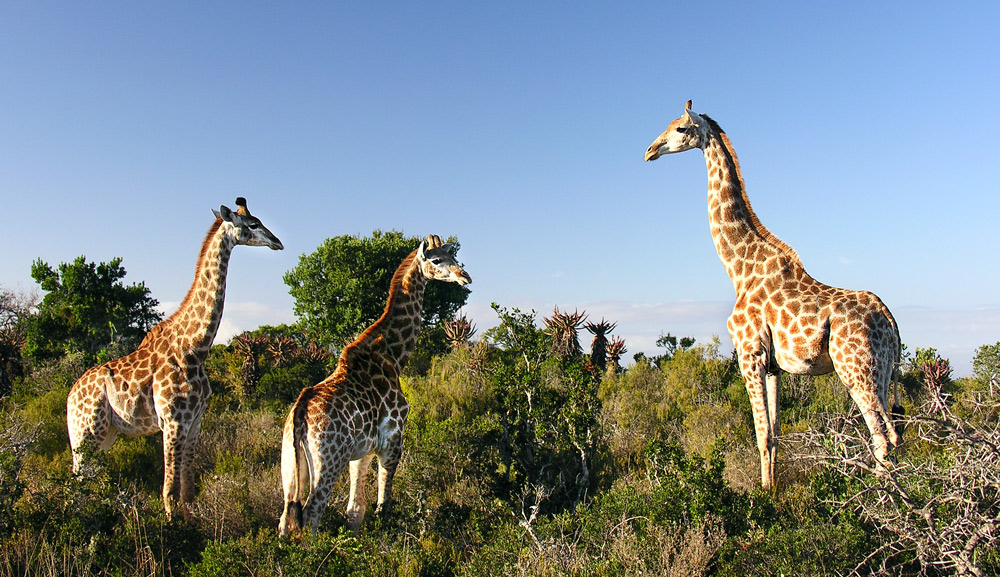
[(866, 133)]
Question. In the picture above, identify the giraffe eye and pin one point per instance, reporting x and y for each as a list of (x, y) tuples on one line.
[(682, 129)]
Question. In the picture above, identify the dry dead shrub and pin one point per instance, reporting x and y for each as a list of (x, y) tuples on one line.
[(667, 550)]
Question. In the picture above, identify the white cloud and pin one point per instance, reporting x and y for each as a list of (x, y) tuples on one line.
[(955, 333), (245, 316), (240, 316)]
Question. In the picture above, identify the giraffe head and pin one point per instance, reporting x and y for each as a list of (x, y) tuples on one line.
[(687, 132), (246, 228), (436, 262)]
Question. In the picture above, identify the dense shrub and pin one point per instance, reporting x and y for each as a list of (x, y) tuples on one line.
[(515, 463)]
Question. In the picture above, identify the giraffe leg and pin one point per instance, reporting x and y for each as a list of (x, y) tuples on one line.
[(867, 377), (326, 470), (178, 472), (773, 385), (357, 503), (185, 467), (88, 421), (386, 471), (294, 479), (753, 367), (171, 486), (388, 460)]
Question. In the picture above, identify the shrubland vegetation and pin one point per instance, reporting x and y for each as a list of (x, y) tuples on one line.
[(527, 453)]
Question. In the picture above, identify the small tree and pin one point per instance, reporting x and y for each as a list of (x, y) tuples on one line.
[(342, 286), (458, 331), (599, 346), (673, 345), (937, 374), (547, 412), (615, 349), (16, 311), (88, 309), (986, 366), (563, 328)]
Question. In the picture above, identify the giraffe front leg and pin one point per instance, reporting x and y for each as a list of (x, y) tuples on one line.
[(185, 467), (357, 503), (171, 471), (752, 356), (772, 384), (388, 460)]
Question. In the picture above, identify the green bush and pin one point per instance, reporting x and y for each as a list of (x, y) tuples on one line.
[(265, 555)]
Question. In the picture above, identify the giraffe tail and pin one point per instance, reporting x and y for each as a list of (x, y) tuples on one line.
[(897, 410), (295, 464)]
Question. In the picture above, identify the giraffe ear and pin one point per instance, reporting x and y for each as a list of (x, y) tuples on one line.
[(693, 116), (422, 249), (224, 213)]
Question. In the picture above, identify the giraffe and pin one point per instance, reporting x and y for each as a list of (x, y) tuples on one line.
[(783, 319), (359, 411), (162, 386)]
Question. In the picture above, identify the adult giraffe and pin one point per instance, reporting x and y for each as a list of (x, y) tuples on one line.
[(162, 386), (785, 320)]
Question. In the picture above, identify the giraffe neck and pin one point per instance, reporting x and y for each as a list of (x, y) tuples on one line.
[(740, 238), (399, 325), (194, 325)]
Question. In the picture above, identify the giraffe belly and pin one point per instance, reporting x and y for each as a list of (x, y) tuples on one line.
[(133, 414), (808, 364)]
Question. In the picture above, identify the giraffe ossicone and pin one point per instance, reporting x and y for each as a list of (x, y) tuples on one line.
[(162, 385), (784, 319), (359, 411)]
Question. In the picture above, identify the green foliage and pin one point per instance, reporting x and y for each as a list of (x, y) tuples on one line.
[(88, 309), (516, 462), (342, 286), (672, 345), (264, 554), (548, 431), (267, 366), (986, 366), (16, 312)]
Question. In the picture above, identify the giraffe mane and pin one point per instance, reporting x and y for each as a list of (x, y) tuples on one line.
[(162, 325), (766, 234), (396, 286)]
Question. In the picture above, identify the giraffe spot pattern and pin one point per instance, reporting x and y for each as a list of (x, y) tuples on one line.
[(162, 383), (786, 320), (357, 411)]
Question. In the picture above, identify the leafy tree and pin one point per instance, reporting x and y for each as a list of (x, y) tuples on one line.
[(342, 286), (269, 363), (547, 411), (16, 311), (599, 346), (672, 346), (986, 366), (88, 309), (563, 328)]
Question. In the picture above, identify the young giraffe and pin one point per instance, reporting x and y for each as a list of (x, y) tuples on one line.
[(359, 411), (785, 320), (162, 385)]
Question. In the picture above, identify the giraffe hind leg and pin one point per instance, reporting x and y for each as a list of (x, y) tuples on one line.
[(327, 468), (861, 380), (357, 503), (295, 480), (88, 423)]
